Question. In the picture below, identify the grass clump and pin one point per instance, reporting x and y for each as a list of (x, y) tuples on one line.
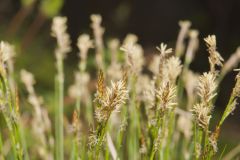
[(165, 114)]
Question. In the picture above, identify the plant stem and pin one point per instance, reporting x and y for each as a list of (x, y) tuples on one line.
[(59, 110)]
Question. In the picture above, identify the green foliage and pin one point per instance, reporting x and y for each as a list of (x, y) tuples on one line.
[(51, 8), (27, 3)]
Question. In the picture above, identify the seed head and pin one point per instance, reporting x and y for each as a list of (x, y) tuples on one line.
[(166, 94), (202, 115), (28, 79), (84, 43), (59, 31), (134, 56), (130, 39), (207, 88), (80, 87), (110, 98), (6, 51), (214, 58), (163, 50), (172, 68)]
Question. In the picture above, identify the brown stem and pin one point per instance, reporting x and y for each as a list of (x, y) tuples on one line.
[(33, 30), (18, 19)]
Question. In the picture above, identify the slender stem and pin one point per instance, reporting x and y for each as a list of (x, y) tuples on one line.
[(101, 136), (59, 110), (133, 146), (9, 114)]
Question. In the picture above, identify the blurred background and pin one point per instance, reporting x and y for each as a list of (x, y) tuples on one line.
[(26, 24)]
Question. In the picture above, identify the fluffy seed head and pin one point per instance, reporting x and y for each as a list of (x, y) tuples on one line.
[(163, 50), (59, 31), (214, 58), (28, 79), (6, 51), (84, 43), (110, 98), (135, 59), (130, 39), (80, 87), (172, 68), (202, 115), (166, 94), (206, 88), (114, 71)]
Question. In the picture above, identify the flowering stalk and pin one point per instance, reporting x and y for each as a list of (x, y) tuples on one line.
[(215, 59), (63, 47), (180, 46), (84, 44), (135, 61), (166, 95), (98, 31), (107, 100), (190, 53), (41, 125), (9, 104), (202, 111)]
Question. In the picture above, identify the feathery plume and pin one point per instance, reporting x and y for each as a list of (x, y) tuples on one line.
[(207, 88), (84, 43), (6, 51), (214, 58), (135, 57), (130, 39), (172, 69), (114, 71), (164, 54), (80, 87), (163, 50), (59, 31), (166, 94), (28, 79), (202, 115), (113, 98)]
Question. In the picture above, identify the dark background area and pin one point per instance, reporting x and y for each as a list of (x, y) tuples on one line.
[(154, 21)]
